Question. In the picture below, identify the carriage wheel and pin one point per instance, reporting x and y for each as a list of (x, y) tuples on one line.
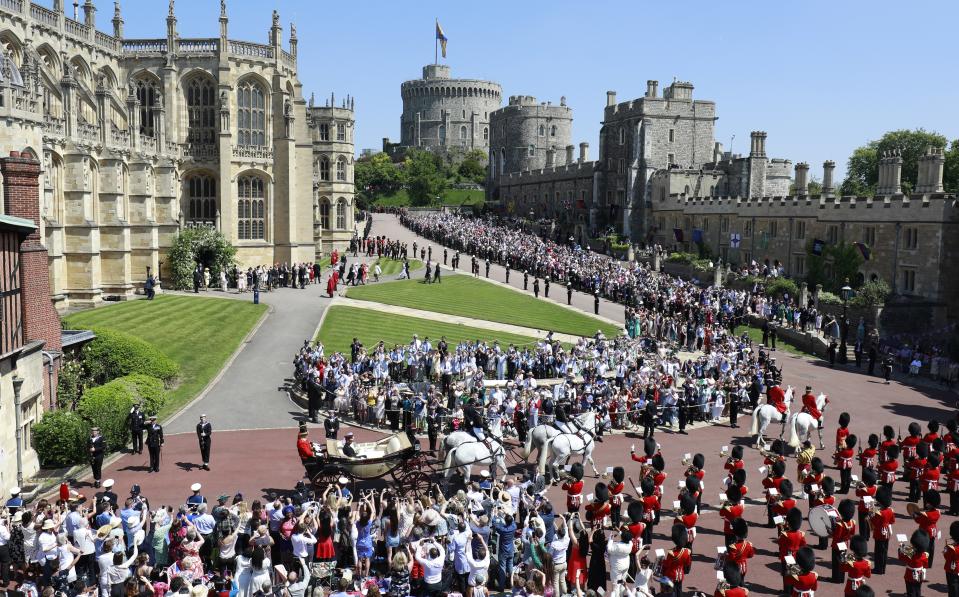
[(326, 478), (415, 483)]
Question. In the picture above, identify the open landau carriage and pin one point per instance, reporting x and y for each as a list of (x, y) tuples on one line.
[(394, 457)]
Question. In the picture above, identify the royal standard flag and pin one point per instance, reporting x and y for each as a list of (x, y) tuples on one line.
[(441, 37)]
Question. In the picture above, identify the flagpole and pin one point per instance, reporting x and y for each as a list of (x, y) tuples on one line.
[(436, 41)]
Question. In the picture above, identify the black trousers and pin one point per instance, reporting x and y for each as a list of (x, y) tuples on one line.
[(5, 562), (913, 589), (845, 480), (154, 458), (952, 584), (205, 449), (96, 463), (863, 525), (837, 574), (136, 436), (880, 556), (733, 413)]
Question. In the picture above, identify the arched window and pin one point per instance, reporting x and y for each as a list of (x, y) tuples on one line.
[(341, 169), (251, 114), (485, 133), (542, 131), (442, 134), (341, 208), (250, 208), (201, 110), (463, 133), (201, 200), (552, 131), (622, 136), (324, 168), (147, 93), (324, 213)]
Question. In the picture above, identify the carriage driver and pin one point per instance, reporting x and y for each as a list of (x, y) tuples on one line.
[(777, 398), (809, 405), (474, 420)]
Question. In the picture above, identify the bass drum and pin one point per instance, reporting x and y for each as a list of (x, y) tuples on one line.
[(822, 520)]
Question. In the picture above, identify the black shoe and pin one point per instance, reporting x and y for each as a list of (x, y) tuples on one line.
[(96, 484)]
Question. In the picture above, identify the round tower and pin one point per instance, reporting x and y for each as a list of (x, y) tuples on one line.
[(445, 114), (529, 135)]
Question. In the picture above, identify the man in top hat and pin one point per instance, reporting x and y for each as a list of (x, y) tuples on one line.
[(136, 420), (204, 434), (154, 443), (331, 425), (96, 446)]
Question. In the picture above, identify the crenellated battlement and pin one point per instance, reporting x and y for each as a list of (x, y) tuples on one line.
[(574, 170), (942, 204)]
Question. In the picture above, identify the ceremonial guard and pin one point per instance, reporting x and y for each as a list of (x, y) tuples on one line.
[(951, 556), (96, 446), (915, 555), (154, 443), (677, 563), (842, 534), (136, 420), (204, 435), (856, 567), (803, 578), (331, 425), (573, 486), (881, 521), (616, 487)]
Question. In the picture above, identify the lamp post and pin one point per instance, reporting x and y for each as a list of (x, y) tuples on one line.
[(844, 330)]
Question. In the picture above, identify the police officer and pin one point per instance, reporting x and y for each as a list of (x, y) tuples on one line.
[(135, 422), (596, 302), (569, 293), (154, 443), (204, 434), (331, 425), (96, 446)]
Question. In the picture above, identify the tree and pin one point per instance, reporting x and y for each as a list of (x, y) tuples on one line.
[(199, 246), (376, 175), (862, 169), (831, 269), (472, 168), (425, 180)]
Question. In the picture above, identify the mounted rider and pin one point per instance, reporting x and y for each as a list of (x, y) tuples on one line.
[(565, 422), (473, 420), (777, 397), (809, 405)]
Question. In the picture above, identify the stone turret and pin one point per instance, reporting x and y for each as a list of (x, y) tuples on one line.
[(117, 21), (652, 88), (931, 166), (583, 152), (828, 186), (570, 150), (89, 14), (890, 173), (757, 148), (802, 179)]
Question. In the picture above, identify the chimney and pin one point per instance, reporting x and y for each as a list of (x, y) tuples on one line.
[(652, 88), (931, 167), (21, 194), (754, 144), (717, 152), (890, 173), (570, 149), (583, 152), (610, 98), (827, 173), (549, 157), (802, 179)]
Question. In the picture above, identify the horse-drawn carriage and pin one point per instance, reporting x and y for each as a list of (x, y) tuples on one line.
[(395, 457)]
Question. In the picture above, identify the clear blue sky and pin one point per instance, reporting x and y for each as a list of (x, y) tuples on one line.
[(820, 77)]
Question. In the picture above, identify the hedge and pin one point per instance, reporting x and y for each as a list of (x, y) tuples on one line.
[(113, 354), (777, 287), (60, 438), (107, 406)]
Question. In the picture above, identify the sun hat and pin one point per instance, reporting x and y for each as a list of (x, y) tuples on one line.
[(47, 524)]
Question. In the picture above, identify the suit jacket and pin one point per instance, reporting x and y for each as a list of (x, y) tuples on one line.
[(203, 430), (154, 435), (98, 444)]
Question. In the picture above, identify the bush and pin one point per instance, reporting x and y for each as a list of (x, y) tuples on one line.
[(60, 438), (828, 298), (703, 265), (107, 406), (871, 294), (686, 258), (781, 286), (71, 382), (204, 246), (114, 354)]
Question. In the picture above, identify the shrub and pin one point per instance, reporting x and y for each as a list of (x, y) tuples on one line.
[(703, 265), (781, 286), (828, 298), (871, 294), (204, 246), (71, 382), (686, 258), (107, 406), (114, 354), (60, 438), (147, 390)]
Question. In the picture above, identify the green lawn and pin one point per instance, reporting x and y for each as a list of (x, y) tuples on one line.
[(198, 333), (392, 267), (449, 197), (467, 297), (342, 324)]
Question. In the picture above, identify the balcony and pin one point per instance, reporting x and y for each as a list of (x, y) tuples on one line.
[(201, 151), (54, 126), (119, 137), (88, 132), (199, 47), (144, 47), (254, 152), (243, 48)]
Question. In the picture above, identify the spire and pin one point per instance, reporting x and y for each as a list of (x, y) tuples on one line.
[(89, 14), (275, 29), (170, 13), (117, 20), (293, 41), (171, 35), (223, 23)]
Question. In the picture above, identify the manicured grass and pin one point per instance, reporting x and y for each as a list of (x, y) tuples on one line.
[(465, 296), (392, 267), (449, 197), (198, 333), (343, 323)]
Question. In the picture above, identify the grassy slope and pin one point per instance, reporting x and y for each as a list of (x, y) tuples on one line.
[(198, 333), (464, 296), (343, 323), (450, 197), (392, 267)]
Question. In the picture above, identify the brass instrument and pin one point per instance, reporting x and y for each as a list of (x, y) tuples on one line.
[(722, 585), (907, 549), (793, 570), (848, 556), (687, 461), (690, 470)]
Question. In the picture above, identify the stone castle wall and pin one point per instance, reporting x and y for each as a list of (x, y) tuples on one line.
[(527, 135)]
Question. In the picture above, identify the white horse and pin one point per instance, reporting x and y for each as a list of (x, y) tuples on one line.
[(458, 438), (464, 456), (538, 436), (801, 425), (766, 414), (560, 448)]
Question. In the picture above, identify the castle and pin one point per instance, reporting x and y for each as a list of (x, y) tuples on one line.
[(445, 115), (661, 178), (141, 138)]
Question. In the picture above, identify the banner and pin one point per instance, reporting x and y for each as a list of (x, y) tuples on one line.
[(818, 246), (734, 240), (678, 233), (697, 236)]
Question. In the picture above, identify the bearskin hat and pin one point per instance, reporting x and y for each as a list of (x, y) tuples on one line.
[(739, 476), (869, 477), (734, 494), (619, 473), (786, 488), (892, 452), (884, 496), (794, 519), (576, 471), (816, 465), (914, 428), (859, 546), (635, 511), (931, 498), (692, 484), (806, 559), (679, 535), (844, 419), (647, 486), (649, 447), (687, 503), (737, 452), (920, 540), (699, 461), (954, 531), (740, 528), (601, 493), (851, 441), (779, 468), (732, 575), (873, 440), (888, 432), (847, 510)]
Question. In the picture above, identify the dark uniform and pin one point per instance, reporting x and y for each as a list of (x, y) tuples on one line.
[(332, 426), (135, 422), (154, 444), (96, 446), (204, 434)]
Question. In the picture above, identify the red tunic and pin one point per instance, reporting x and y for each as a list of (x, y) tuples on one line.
[(777, 397), (863, 492), (739, 553), (929, 479), (304, 448), (804, 585), (881, 523), (916, 565), (929, 438), (729, 513), (884, 449), (843, 458), (887, 471), (868, 458), (650, 507), (573, 494), (783, 507), (772, 483), (951, 555), (598, 511), (809, 405), (927, 521), (689, 521), (841, 434), (732, 465), (616, 493), (842, 532), (733, 592), (856, 574), (914, 468), (908, 447), (790, 542), (677, 563)]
